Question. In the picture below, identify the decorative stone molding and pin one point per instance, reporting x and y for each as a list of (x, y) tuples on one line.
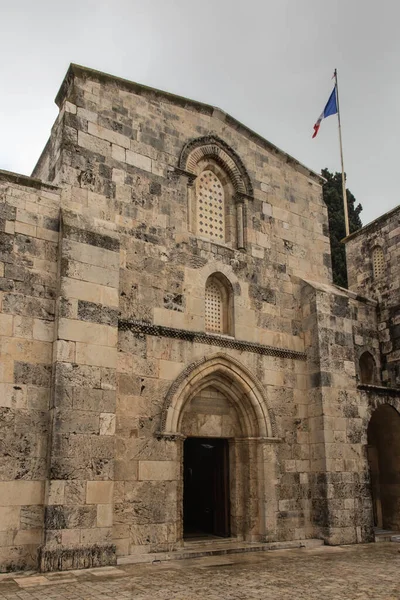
[(209, 339), (262, 440), (380, 390), (32, 182), (235, 380), (213, 147), (212, 267), (377, 396), (171, 437), (190, 176), (84, 557), (224, 159)]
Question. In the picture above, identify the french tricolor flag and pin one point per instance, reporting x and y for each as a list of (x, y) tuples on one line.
[(330, 109)]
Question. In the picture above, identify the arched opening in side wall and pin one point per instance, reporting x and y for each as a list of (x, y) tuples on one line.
[(384, 464), (367, 367)]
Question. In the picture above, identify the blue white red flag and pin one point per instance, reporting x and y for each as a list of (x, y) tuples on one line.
[(330, 109)]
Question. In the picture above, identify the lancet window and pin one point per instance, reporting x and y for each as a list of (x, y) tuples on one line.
[(218, 305)]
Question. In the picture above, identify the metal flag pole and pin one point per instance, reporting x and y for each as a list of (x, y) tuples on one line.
[(346, 212)]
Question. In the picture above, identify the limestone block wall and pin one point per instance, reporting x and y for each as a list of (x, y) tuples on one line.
[(79, 496), (119, 148), (29, 223), (366, 334), (341, 501), (148, 468), (384, 287), (102, 325), (120, 145)]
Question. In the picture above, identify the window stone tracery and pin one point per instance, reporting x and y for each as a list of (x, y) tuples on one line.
[(213, 308), (210, 206), (378, 262), (218, 299), (211, 159)]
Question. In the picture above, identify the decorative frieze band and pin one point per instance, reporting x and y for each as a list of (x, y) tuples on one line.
[(208, 338), (379, 390)]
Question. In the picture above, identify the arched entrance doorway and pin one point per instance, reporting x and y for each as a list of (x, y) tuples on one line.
[(219, 414), (209, 422), (384, 464)]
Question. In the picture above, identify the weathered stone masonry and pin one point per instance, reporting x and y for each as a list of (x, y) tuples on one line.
[(107, 365), (29, 236), (381, 235)]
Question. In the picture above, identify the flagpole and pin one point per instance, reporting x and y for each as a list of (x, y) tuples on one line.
[(346, 212)]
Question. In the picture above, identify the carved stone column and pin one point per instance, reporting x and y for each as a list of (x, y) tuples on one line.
[(247, 500), (180, 441), (240, 226), (240, 220), (176, 172)]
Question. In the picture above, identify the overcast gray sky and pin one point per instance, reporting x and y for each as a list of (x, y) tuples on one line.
[(266, 62)]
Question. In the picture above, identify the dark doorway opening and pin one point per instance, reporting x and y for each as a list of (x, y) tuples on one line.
[(206, 488), (384, 463)]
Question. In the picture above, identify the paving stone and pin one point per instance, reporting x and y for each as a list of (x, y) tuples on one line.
[(357, 572)]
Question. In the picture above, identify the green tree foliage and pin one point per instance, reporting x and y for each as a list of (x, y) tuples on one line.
[(332, 194)]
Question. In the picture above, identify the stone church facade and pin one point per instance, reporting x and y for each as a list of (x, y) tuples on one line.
[(175, 360)]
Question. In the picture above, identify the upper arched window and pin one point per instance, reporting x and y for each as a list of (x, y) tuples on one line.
[(210, 206), (217, 200), (378, 262), (218, 305), (367, 368)]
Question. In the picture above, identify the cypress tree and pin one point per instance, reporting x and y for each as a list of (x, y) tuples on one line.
[(332, 194)]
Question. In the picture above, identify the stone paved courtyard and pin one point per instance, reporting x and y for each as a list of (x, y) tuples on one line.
[(329, 573)]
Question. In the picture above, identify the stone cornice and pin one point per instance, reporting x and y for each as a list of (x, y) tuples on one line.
[(171, 436), (26, 181), (380, 390), (376, 223), (209, 339)]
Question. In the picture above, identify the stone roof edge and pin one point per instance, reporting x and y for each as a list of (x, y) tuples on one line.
[(27, 181), (332, 288), (370, 225), (141, 89)]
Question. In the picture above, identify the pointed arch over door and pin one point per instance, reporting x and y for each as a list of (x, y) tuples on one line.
[(216, 400), (231, 377)]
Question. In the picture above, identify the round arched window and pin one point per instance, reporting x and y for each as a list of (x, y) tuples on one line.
[(367, 368)]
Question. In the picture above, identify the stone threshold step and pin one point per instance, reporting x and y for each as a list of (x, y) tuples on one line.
[(387, 536), (217, 549), (195, 543)]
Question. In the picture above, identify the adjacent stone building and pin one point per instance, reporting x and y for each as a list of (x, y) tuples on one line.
[(176, 362)]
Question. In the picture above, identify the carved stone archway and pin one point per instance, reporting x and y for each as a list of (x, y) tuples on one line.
[(214, 147), (247, 395), (252, 446), (383, 452), (229, 165)]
